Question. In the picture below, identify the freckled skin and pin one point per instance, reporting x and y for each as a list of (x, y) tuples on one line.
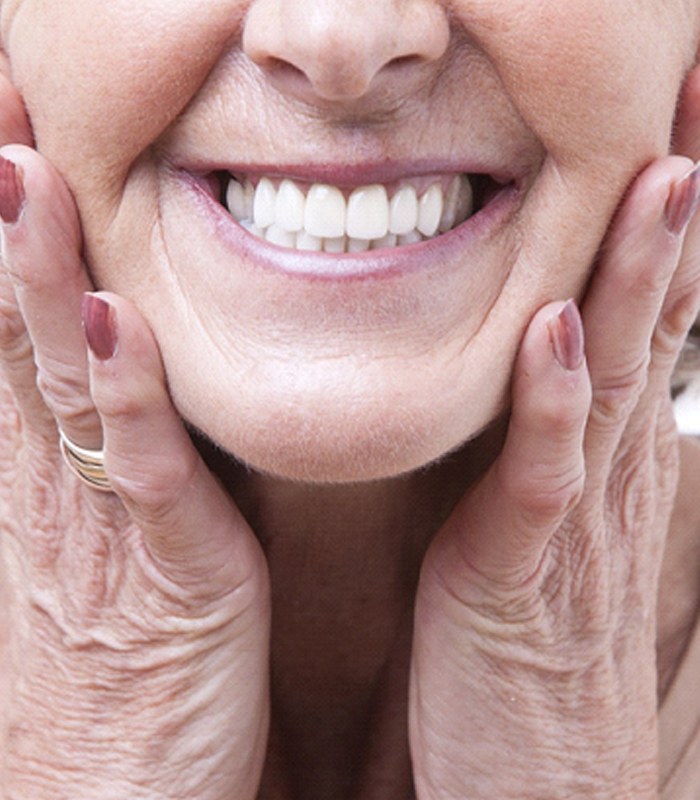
[(323, 381)]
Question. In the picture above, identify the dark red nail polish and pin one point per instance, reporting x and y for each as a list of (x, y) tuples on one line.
[(683, 201), (100, 326), (566, 335), (12, 195)]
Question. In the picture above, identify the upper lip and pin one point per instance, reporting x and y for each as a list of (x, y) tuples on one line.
[(345, 174)]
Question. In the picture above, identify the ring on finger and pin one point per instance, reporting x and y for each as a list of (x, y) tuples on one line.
[(88, 465)]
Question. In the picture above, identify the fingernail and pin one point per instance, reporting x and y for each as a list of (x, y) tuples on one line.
[(12, 195), (100, 326), (683, 201), (566, 336)]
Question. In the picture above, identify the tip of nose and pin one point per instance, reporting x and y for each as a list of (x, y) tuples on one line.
[(332, 51)]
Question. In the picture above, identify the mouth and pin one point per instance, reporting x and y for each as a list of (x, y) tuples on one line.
[(328, 218)]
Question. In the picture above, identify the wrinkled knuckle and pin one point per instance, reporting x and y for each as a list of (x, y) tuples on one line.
[(65, 395), (615, 399), (547, 494), (629, 492), (15, 344), (121, 408), (156, 488), (673, 326)]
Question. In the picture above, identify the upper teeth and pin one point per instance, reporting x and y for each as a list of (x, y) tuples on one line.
[(323, 218)]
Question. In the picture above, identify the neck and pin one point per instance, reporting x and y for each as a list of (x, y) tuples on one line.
[(344, 562)]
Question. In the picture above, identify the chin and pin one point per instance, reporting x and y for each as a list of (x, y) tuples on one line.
[(337, 439)]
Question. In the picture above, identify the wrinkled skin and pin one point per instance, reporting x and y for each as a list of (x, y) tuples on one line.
[(511, 645)]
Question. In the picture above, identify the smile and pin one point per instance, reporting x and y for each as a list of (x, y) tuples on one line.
[(322, 217)]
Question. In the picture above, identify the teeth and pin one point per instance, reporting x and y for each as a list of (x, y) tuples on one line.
[(335, 244), (324, 213), (357, 245), (305, 241), (430, 211), (368, 212), (322, 219), (279, 236), (459, 203), (403, 213), (289, 206), (413, 237), (264, 203), (385, 241)]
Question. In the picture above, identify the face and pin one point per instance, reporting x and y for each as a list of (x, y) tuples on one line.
[(346, 365)]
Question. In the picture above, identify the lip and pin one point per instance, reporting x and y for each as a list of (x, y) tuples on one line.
[(351, 175), (376, 264)]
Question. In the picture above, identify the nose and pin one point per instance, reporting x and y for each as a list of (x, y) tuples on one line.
[(342, 50)]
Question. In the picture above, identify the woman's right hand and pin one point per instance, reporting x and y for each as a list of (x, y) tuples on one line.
[(138, 621)]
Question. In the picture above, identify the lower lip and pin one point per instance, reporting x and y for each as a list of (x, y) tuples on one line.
[(376, 264)]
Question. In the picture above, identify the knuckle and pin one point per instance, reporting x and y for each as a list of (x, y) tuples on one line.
[(673, 327), (615, 398), (545, 492), (629, 490), (14, 341), (119, 407), (154, 489), (66, 394)]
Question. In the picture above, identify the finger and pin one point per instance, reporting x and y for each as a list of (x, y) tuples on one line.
[(191, 528), (686, 140), (14, 122), (623, 304), (42, 253), (678, 314), (502, 527)]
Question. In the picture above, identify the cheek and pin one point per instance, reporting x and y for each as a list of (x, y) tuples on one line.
[(101, 85), (592, 79)]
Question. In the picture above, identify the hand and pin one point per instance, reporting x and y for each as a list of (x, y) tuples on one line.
[(533, 671), (138, 619)]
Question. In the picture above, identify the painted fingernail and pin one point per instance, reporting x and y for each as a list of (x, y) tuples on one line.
[(12, 194), (566, 336), (100, 326), (683, 201)]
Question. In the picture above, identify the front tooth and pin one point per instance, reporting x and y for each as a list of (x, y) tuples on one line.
[(276, 235), (357, 245), (236, 200), (289, 206), (264, 203), (305, 241), (324, 212), (403, 211), (412, 237), (368, 212), (430, 210), (385, 241), (335, 244)]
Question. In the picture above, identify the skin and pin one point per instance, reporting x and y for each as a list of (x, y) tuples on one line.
[(281, 359), (519, 565)]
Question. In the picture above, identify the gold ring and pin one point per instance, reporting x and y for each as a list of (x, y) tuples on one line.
[(88, 465)]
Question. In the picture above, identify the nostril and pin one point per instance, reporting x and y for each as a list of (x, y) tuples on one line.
[(279, 66)]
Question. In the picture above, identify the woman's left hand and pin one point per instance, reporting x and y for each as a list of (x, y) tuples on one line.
[(534, 670)]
